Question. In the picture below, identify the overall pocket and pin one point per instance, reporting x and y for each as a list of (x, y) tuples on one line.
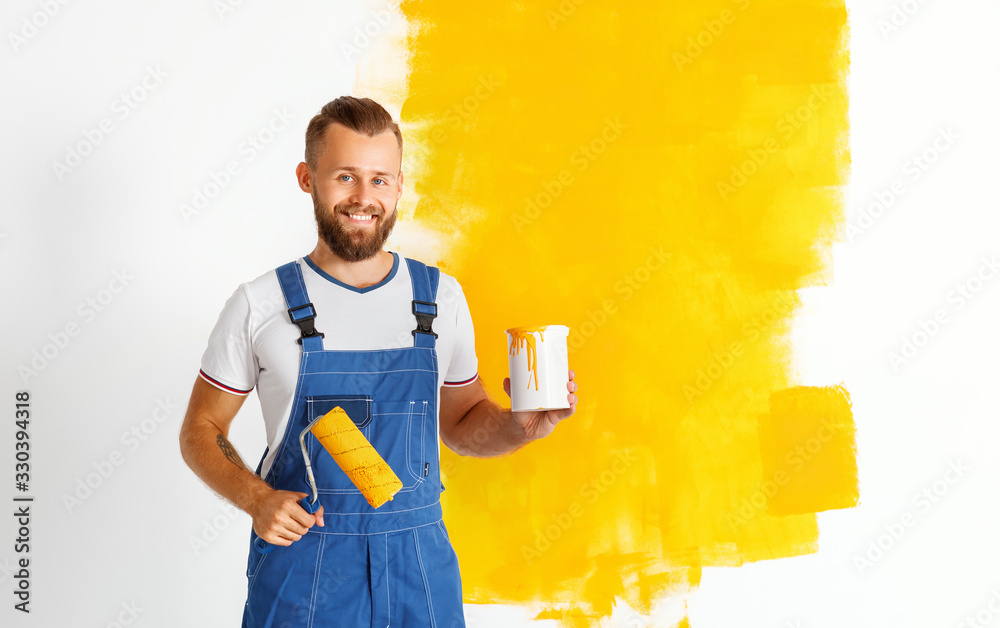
[(394, 428), (400, 436)]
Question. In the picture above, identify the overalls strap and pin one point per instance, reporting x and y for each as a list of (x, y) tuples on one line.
[(300, 309), (425, 285)]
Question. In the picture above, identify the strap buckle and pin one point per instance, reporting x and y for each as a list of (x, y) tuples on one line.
[(305, 316), (424, 318)]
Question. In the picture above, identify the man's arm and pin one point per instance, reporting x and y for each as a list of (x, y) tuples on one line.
[(205, 446), (473, 425)]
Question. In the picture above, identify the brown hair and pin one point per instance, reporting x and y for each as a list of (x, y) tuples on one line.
[(361, 115)]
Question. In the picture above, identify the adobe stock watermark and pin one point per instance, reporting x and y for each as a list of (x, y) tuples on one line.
[(465, 109), (589, 494), (33, 24), (212, 529), (7, 569), (580, 159), (913, 170), (303, 609), (86, 311), (751, 331), (121, 108), (962, 294), (127, 614), (365, 34), (785, 128), (923, 501), (224, 7), (795, 460), (563, 12), (131, 439), (252, 145), (627, 286), (632, 618), (985, 615), (899, 16), (701, 41)]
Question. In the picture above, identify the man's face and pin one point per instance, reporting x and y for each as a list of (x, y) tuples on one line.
[(355, 188)]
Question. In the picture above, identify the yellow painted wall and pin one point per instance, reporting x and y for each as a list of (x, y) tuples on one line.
[(661, 176)]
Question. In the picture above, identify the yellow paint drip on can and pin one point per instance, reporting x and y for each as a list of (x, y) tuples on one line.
[(525, 337)]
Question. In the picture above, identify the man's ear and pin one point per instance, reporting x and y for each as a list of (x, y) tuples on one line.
[(399, 186), (304, 176)]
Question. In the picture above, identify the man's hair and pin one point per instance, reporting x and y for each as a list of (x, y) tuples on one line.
[(361, 115)]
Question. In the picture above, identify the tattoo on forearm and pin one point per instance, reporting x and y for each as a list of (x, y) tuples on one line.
[(229, 451)]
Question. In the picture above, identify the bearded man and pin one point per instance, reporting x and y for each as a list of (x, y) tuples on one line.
[(390, 341)]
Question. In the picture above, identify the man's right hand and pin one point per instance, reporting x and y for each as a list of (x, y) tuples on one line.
[(277, 516), (279, 519)]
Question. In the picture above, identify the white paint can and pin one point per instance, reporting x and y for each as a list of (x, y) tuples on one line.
[(539, 367)]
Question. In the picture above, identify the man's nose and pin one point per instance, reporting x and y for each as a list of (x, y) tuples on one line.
[(362, 195)]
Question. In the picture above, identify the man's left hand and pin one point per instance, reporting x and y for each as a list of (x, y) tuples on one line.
[(538, 424)]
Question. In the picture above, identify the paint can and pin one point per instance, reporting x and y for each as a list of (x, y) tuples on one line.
[(539, 367)]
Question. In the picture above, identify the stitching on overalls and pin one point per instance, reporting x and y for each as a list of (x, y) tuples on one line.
[(423, 576), (409, 432), (312, 598), (253, 579), (423, 453), (388, 599)]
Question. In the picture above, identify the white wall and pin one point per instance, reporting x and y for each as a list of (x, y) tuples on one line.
[(937, 411), (112, 230)]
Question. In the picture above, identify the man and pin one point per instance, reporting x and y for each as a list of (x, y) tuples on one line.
[(391, 342)]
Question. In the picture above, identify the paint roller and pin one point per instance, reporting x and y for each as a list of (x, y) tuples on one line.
[(356, 457)]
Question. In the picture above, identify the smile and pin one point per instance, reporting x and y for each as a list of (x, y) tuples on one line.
[(361, 217)]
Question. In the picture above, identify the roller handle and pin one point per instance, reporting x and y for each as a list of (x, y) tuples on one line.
[(263, 546)]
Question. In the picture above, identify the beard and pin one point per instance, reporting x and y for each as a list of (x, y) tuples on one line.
[(348, 243)]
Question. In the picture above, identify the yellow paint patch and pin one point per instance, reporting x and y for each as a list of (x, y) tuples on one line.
[(663, 176), (808, 453)]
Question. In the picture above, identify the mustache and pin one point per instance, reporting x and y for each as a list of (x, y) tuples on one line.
[(358, 209)]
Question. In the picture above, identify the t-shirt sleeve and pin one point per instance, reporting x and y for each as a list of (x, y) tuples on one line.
[(228, 362), (464, 366)]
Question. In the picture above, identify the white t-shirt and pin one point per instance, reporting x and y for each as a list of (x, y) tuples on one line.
[(254, 344)]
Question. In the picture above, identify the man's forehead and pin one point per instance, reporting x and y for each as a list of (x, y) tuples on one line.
[(358, 151), (335, 129)]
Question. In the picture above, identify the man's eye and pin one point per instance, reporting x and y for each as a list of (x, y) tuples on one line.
[(345, 177), (379, 181)]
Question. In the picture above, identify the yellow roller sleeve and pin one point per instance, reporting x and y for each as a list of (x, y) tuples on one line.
[(356, 456)]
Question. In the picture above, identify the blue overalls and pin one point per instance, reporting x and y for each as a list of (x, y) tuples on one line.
[(393, 566)]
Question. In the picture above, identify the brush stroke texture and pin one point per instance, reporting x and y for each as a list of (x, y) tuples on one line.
[(661, 176)]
